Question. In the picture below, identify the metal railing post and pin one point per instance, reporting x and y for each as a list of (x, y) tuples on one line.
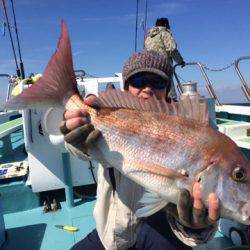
[(208, 83), (68, 180), (244, 85)]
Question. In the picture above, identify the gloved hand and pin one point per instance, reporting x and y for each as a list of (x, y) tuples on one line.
[(183, 64), (77, 129), (191, 212)]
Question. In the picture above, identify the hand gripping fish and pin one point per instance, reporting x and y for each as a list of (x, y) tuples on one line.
[(163, 147)]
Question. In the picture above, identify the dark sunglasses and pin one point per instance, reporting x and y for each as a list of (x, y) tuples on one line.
[(141, 82)]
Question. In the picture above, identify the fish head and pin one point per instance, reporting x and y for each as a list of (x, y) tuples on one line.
[(228, 175)]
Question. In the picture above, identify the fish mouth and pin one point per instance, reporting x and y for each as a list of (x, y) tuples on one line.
[(240, 214), (245, 210)]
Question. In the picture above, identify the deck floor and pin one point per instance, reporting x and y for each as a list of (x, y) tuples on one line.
[(35, 230)]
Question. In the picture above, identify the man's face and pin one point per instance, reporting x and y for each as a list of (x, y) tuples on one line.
[(146, 85)]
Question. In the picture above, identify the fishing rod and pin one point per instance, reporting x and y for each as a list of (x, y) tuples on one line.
[(145, 22), (17, 38), (20, 73), (11, 39), (136, 24)]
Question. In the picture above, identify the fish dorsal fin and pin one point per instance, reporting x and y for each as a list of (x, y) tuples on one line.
[(191, 108), (113, 98), (187, 107), (150, 203)]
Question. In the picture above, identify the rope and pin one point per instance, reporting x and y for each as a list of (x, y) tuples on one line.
[(210, 69), (218, 69), (205, 67)]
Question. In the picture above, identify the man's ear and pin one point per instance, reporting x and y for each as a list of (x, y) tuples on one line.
[(126, 86)]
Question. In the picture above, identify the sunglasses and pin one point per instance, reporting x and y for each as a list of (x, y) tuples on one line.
[(141, 82)]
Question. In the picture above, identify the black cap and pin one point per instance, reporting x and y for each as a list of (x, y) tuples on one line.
[(163, 21)]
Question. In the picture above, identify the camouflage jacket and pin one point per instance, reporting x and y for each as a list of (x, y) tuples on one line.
[(160, 39)]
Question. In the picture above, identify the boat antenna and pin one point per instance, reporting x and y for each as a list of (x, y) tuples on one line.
[(136, 24), (145, 22), (17, 38), (11, 39)]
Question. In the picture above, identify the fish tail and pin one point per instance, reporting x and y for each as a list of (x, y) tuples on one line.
[(56, 86)]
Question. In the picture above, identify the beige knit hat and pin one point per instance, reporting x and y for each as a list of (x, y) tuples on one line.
[(147, 61)]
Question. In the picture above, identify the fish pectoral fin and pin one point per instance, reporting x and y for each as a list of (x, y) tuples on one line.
[(150, 204)]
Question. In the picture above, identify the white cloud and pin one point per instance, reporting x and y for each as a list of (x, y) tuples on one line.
[(78, 53), (84, 43), (169, 8), (125, 18)]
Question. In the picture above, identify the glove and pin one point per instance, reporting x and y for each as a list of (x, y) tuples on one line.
[(82, 137), (183, 64), (191, 213)]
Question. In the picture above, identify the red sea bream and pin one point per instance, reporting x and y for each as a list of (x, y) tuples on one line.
[(163, 147)]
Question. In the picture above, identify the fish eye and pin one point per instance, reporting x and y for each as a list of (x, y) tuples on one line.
[(239, 174)]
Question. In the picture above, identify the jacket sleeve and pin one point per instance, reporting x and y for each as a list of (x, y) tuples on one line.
[(76, 152), (192, 237), (171, 46)]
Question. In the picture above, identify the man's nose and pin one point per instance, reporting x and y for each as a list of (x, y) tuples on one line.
[(148, 89)]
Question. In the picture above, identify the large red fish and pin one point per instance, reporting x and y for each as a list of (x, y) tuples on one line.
[(163, 147)]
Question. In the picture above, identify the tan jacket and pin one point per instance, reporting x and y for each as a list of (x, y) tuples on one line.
[(161, 40), (114, 212)]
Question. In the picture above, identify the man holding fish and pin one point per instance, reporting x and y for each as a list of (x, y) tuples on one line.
[(154, 155), (146, 74)]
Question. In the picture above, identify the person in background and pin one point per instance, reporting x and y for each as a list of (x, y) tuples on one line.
[(146, 74), (161, 40)]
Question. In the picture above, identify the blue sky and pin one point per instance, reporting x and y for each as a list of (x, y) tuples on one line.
[(102, 34)]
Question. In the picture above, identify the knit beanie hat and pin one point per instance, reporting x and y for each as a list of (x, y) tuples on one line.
[(147, 61)]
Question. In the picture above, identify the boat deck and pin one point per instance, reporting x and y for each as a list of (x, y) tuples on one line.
[(34, 229), (27, 226)]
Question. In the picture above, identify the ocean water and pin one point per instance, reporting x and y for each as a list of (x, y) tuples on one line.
[(231, 94), (3, 92), (2, 101)]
